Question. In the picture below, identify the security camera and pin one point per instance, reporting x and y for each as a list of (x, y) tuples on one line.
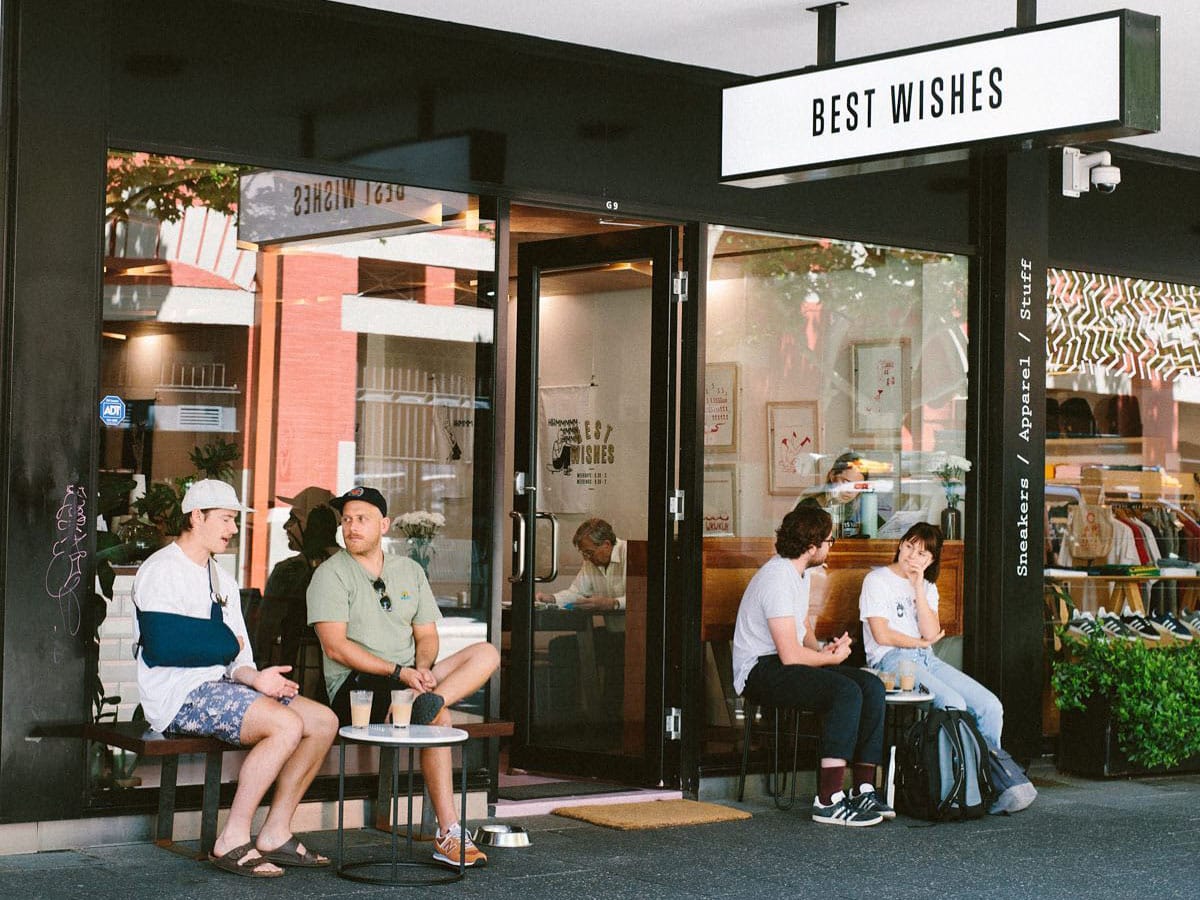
[(1106, 178), (1082, 170)]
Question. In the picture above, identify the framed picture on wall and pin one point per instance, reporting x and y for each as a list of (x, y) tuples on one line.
[(794, 443), (881, 387), (720, 406), (720, 500)]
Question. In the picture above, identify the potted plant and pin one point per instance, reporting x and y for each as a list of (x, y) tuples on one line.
[(159, 508), (1127, 708)]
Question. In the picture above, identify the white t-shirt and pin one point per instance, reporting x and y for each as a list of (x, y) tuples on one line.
[(169, 581), (775, 591), (888, 596)]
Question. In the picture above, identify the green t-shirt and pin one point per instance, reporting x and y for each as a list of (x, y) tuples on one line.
[(341, 591)]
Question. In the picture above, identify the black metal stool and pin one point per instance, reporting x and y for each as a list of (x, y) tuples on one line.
[(775, 778)]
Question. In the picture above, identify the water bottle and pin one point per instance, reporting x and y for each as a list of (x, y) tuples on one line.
[(869, 513)]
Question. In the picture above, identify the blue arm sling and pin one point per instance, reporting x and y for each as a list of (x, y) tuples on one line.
[(171, 639)]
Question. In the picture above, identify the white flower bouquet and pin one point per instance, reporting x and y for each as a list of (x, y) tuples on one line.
[(421, 524), (951, 473), (952, 469)]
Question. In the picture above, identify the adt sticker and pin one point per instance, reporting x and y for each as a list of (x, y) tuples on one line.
[(112, 410)]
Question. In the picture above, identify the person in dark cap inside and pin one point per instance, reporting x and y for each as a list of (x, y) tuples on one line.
[(311, 529), (377, 621)]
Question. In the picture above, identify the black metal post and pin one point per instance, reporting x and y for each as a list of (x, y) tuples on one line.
[(826, 31), (1026, 13)]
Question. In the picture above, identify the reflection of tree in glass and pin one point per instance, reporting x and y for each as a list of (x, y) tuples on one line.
[(164, 186)]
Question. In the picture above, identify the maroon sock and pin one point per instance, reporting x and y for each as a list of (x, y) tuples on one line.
[(831, 782), (864, 773)]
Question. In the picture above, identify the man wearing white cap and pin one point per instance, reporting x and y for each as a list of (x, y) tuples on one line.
[(196, 675)]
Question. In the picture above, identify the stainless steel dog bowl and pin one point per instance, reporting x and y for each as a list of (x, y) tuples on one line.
[(501, 836)]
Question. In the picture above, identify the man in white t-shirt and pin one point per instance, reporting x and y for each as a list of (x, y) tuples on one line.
[(289, 735), (778, 661), (898, 607)]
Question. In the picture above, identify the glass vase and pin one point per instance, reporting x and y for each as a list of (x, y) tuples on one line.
[(420, 551), (952, 524)]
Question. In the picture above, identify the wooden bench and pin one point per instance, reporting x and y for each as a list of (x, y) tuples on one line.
[(730, 563), (139, 738)]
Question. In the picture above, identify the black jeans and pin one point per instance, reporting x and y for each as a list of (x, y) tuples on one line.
[(850, 701), (382, 685)]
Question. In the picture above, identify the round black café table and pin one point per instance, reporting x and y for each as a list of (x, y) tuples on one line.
[(902, 709), (397, 869)]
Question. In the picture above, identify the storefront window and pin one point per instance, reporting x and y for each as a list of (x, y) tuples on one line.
[(294, 335), (836, 373), (1122, 429)]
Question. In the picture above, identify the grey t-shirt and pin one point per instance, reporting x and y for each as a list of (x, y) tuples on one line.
[(342, 591), (776, 590)]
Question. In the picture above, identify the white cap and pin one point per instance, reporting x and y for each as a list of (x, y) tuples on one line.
[(211, 494)]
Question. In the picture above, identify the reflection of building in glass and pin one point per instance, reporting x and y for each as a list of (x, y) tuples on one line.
[(315, 358)]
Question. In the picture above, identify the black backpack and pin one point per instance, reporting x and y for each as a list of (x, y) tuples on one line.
[(943, 770)]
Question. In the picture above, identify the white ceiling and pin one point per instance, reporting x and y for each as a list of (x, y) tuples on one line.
[(758, 37)]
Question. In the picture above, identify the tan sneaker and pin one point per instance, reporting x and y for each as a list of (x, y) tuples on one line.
[(448, 845)]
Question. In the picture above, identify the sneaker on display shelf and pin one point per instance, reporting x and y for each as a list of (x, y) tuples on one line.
[(1140, 624), (1172, 626), (1085, 624), (1112, 624)]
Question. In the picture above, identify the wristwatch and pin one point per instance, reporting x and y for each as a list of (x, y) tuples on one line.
[(395, 676)]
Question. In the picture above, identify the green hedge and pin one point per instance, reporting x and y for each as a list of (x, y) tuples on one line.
[(1153, 692)]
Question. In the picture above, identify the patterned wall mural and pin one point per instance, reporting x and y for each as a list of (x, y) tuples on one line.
[(1121, 325)]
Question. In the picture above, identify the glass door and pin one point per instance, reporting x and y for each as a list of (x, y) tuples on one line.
[(594, 453)]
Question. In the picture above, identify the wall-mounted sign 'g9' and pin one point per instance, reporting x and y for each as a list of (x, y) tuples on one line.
[(1090, 78)]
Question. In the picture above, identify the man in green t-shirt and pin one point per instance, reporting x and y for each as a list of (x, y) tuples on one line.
[(377, 622)]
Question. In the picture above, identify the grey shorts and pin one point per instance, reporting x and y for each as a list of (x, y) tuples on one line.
[(217, 709)]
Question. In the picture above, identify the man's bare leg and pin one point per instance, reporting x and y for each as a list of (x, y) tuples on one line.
[(320, 727), (274, 732), (458, 676)]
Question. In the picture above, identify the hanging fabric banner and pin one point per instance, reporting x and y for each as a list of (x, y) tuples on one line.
[(575, 450)]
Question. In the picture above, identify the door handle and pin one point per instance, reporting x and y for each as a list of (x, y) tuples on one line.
[(553, 547), (518, 574)]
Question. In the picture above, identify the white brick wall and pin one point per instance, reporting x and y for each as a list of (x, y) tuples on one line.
[(118, 670)]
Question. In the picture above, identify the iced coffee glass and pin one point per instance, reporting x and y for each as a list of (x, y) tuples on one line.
[(360, 708), (400, 712)]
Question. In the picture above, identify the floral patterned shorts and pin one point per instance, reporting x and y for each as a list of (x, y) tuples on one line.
[(217, 709)]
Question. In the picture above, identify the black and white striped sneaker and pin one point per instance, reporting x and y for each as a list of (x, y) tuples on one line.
[(843, 811), (869, 801), (1085, 625), (1177, 629)]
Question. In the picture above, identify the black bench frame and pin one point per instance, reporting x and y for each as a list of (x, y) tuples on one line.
[(142, 740)]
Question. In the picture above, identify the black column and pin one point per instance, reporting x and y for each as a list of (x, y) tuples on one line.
[(1006, 434), (53, 205)]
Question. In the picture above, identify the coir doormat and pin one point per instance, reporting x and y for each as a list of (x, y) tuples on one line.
[(653, 814)]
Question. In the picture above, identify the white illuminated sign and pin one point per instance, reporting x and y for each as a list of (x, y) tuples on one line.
[(1045, 81)]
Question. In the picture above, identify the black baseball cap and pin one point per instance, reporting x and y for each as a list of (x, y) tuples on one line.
[(365, 494)]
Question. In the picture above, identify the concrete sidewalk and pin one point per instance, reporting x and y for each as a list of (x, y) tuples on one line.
[(1111, 839)]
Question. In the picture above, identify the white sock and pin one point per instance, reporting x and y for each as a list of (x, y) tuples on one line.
[(454, 830), (863, 788)]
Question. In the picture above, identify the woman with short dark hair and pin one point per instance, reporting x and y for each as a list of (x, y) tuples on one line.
[(898, 606)]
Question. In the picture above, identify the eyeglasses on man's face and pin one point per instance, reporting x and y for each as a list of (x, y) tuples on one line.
[(830, 541), (590, 551), (384, 600)]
